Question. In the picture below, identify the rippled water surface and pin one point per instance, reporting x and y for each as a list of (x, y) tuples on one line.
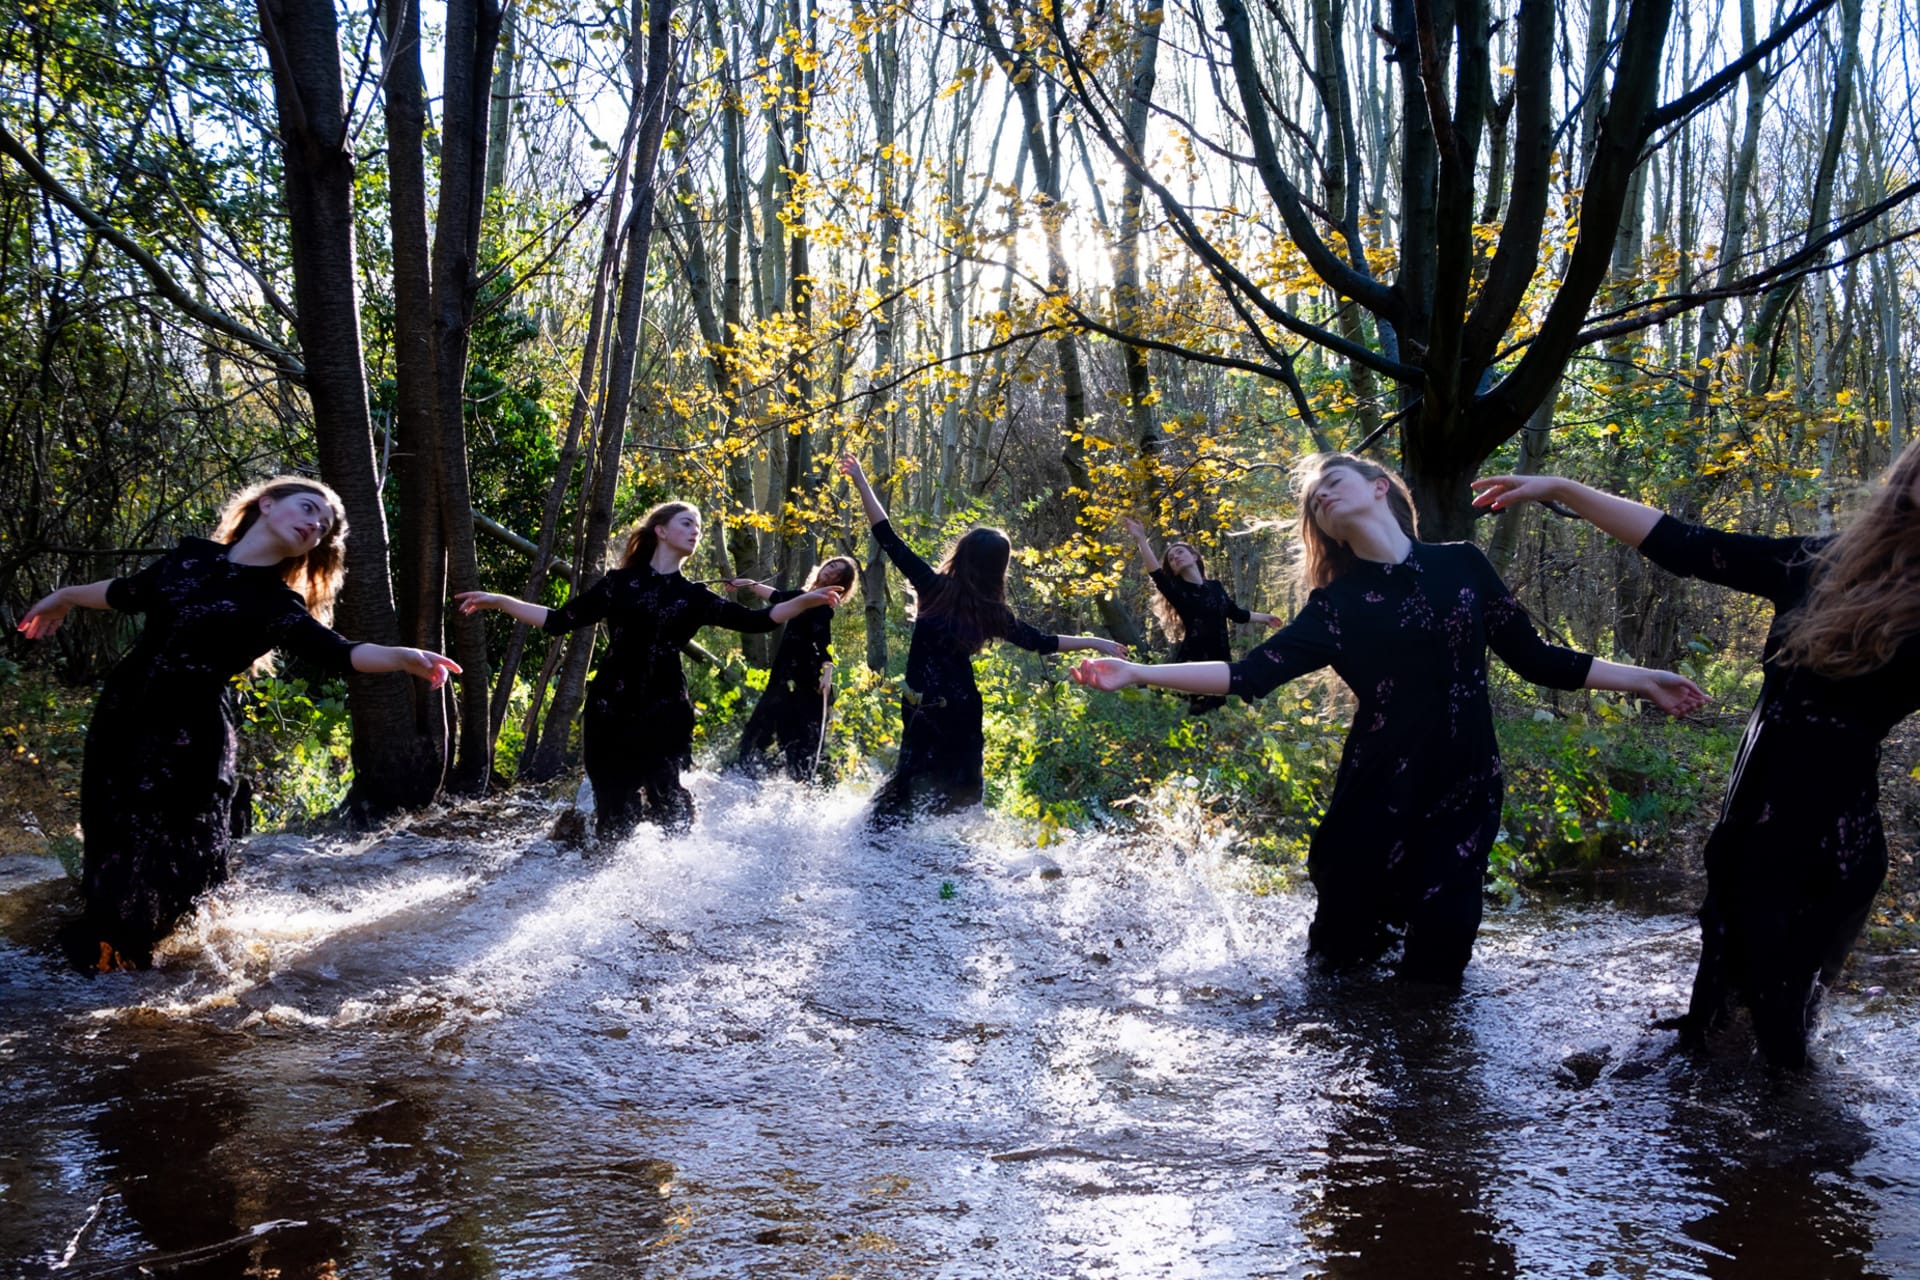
[(774, 1048)]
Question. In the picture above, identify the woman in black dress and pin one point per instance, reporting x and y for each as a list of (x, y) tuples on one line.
[(638, 722), (157, 785), (1798, 852), (959, 609), (791, 714), (1403, 847), (1193, 610)]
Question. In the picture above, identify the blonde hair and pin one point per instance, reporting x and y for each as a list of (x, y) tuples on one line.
[(1865, 600), (315, 576), (645, 538), (1322, 558)]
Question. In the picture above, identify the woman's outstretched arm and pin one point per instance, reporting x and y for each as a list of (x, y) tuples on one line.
[(1110, 674), (1672, 693), (851, 469), (1620, 518), (806, 600), (432, 667), (46, 616), (1138, 532), (1100, 644), (526, 611)]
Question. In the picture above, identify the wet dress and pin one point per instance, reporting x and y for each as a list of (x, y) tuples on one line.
[(637, 727), (157, 786), (1204, 609), (1798, 853), (941, 742), (1416, 803), (790, 713)]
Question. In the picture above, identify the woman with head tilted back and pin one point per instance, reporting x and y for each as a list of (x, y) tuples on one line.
[(1798, 853), (157, 788), (791, 713), (1193, 610), (1403, 847), (960, 608), (638, 722)]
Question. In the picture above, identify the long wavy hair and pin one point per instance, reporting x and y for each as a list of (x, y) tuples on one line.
[(1865, 600), (1161, 607), (315, 576), (836, 571), (972, 595), (645, 538), (1322, 558)]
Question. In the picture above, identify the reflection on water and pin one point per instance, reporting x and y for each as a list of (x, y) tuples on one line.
[(775, 1048)]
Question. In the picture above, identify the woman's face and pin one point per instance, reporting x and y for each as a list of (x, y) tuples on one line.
[(299, 520), (1341, 496), (1181, 558), (682, 533)]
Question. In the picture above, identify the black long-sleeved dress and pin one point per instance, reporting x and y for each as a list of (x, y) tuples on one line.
[(941, 742), (157, 785), (1798, 853), (638, 723), (792, 709), (1204, 609), (1416, 802)]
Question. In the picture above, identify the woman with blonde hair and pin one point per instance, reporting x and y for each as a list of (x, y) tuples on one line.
[(1798, 853), (157, 786), (959, 609), (638, 722), (1402, 850), (792, 712), (1192, 609)]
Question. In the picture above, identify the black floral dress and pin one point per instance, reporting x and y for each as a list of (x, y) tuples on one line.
[(1798, 853), (1416, 803), (157, 785), (791, 711), (1204, 609), (638, 722), (941, 742)]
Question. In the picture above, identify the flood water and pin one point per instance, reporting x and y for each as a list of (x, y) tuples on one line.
[(773, 1048)]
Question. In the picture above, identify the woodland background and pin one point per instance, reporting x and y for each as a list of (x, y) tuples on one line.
[(505, 276)]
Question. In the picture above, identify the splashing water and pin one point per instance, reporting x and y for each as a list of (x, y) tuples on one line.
[(779, 1047)]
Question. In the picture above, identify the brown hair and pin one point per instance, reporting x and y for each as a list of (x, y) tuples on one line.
[(1162, 608), (645, 538), (972, 594), (1322, 558), (315, 576), (1865, 599), (836, 571)]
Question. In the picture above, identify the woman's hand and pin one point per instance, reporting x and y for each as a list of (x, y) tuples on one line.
[(1500, 492), (432, 667), (741, 584), (472, 602), (1105, 674), (829, 596), (851, 469), (1673, 693), (826, 677), (1134, 528), (1269, 620), (45, 617), (1112, 648)]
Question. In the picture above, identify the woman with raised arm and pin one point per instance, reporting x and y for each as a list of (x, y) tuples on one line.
[(638, 723), (157, 786), (1193, 610), (792, 713), (1403, 847), (1798, 852), (959, 609)]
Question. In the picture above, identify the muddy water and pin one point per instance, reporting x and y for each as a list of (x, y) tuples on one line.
[(776, 1049)]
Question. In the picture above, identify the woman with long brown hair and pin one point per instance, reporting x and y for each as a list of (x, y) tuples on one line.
[(157, 786), (959, 609), (1798, 853), (792, 712), (638, 722), (1192, 609), (1402, 851)]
